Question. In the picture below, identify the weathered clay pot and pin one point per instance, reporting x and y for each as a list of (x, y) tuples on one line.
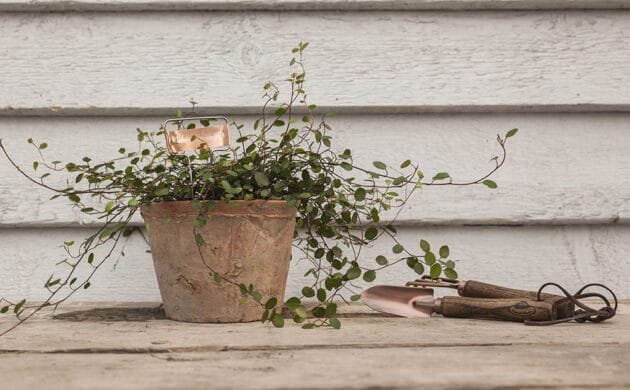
[(247, 241)]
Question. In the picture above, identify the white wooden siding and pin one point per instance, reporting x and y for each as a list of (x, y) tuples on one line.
[(409, 79), (303, 5), (571, 168), (385, 59), (521, 256)]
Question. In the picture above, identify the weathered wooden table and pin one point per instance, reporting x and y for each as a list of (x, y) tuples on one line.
[(111, 346)]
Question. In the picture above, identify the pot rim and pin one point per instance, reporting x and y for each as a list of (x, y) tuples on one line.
[(254, 207)]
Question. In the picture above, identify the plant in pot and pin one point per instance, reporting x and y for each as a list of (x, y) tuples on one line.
[(222, 217)]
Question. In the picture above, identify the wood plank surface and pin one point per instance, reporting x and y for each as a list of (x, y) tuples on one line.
[(301, 5), (522, 257), (561, 169), (105, 346), (493, 367), (158, 60)]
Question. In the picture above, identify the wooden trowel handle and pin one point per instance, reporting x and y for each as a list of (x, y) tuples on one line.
[(474, 289), (509, 309)]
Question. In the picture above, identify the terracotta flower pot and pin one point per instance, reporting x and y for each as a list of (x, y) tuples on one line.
[(247, 241)]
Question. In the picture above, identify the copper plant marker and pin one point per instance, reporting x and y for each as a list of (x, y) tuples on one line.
[(186, 140)]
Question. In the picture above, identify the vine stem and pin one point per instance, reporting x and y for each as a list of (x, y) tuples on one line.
[(41, 184), (480, 180), (48, 301)]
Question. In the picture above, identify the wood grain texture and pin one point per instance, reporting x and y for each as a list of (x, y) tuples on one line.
[(517, 310), (524, 257), (57, 111), (105, 346), (522, 366), (301, 5), (477, 289), (141, 329), (411, 59), (562, 168)]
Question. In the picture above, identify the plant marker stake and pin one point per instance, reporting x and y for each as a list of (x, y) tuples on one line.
[(187, 140)]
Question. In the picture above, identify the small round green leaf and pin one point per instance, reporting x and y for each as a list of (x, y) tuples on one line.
[(359, 194), (163, 191), (308, 292), (261, 179), (353, 273), (271, 303), (200, 222), (321, 295), (441, 176), (381, 260), (490, 184), (450, 273), (277, 320), (511, 133), (300, 311), (379, 165), (371, 233), (292, 302), (369, 276), (335, 323), (436, 270), (418, 268), (75, 198)]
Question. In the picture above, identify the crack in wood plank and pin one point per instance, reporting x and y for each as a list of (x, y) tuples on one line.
[(275, 348)]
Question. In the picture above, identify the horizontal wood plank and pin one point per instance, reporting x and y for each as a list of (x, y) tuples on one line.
[(522, 257), (561, 168), (536, 366), (58, 111), (301, 5), (85, 318), (108, 347), (143, 329), (399, 59)]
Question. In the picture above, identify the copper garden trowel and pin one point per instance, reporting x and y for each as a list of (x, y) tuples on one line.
[(476, 300)]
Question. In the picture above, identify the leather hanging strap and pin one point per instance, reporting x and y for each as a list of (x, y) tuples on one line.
[(584, 313)]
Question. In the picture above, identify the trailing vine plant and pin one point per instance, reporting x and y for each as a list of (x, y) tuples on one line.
[(289, 155)]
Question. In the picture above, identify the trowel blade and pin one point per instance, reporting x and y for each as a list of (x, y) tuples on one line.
[(410, 302)]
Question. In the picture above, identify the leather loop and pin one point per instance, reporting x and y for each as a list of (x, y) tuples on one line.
[(584, 313)]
